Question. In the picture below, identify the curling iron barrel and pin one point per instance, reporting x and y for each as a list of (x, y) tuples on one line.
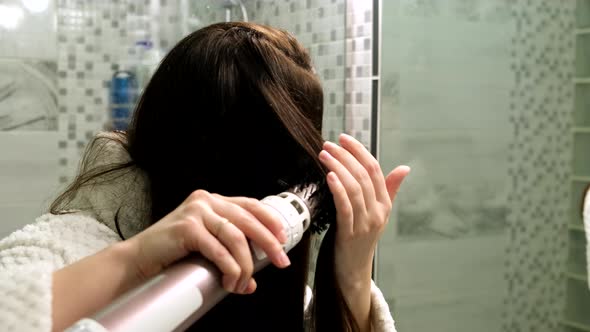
[(181, 294)]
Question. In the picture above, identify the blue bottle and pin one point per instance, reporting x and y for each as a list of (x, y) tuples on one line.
[(123, 96)]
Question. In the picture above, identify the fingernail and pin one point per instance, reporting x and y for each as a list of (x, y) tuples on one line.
[(255, 286), (284, 259), (331, 176), (324, 155), (333, 145)]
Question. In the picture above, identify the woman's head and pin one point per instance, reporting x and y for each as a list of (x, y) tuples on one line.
[(234, 108)]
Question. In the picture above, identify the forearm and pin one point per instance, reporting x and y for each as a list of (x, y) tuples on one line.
[(357, 294), (86, 286)]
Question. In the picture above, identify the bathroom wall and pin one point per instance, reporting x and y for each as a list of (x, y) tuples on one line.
[(28, 112), (539, 158), (319, 26), (338, 35), (95, 39), (476, 98), (360, 85), (98, 42), (87, 41)]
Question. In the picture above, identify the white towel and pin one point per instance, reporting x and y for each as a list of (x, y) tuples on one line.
[(586, 217)]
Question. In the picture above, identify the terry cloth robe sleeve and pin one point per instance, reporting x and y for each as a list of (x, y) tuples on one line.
[(28, 258)]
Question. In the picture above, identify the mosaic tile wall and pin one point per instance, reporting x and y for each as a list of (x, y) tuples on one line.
[(90, 36), (359, 70), (96, 38), (338, 35), (539, 164), (319, 26)]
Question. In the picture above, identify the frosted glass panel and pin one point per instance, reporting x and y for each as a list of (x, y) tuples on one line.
[(28, 177), (446, 102), (477, 97)]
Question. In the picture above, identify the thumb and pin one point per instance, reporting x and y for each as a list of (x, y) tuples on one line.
[(394, 180)]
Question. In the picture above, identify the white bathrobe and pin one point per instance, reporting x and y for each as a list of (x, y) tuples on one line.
[(29, 256)]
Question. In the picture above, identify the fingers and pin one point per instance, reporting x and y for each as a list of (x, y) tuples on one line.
[(265, 215), (210, 247), (235, 241), (344, 208), (232, 221), (353, 189), (223, 227), (394, 180), (370, 164), (356, 170), (358, 185), (254, 220)]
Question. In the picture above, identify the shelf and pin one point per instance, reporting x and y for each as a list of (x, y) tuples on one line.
[(581, 157), (581, 105), (578, 190), (578, 228), (575, 325), (582, 14), (580, 178), (582, 47), (576, 276), (583, 31), (582, 80)]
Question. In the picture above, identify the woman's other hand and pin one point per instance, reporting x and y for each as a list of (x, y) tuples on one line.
[(363, 199), (217, 227)]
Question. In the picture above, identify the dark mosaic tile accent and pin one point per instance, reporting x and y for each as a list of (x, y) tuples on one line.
[(535, 255)]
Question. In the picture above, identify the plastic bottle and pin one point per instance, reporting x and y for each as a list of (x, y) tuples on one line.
[(148, 60)]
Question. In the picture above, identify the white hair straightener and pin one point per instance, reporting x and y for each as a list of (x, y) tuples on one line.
[(181, 294)]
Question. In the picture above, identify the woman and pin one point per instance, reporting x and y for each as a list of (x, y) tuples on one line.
[(233, 111)]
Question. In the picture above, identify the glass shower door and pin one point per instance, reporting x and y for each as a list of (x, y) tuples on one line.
[(476, 96)]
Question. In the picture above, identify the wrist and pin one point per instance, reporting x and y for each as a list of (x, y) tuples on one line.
[(356, 280), (355, 285), (126, 253)]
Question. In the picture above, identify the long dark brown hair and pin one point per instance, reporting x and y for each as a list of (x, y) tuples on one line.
[(236, 109)]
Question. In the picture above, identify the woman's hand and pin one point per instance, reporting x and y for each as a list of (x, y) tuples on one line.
[(214, 225), (218, 227), (363, 199)]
